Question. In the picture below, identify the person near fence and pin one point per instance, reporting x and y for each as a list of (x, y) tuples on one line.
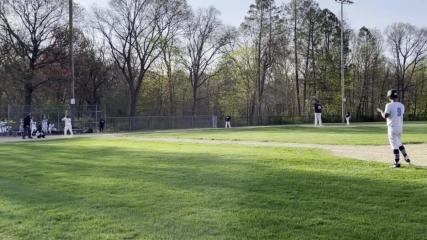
[(3, 127), (27, 127), (21, 127), (228, 122), (318, 113), (51, 128), (45, 125), (40, 133), (101, 125), (68, 126), (33, 127), (347, 118)]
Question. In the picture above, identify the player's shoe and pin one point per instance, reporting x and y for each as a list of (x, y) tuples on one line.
[(396, 165), (407, 159)]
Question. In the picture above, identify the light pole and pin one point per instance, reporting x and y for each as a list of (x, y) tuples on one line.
[(72, 100), (343, 100)]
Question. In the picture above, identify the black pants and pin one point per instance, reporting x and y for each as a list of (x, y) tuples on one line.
[(27, 132)]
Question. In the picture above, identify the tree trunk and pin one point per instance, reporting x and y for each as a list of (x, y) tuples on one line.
[(252, 109), (296, 60), (171, 98), (28, 100), (194, 105), (133, 102)]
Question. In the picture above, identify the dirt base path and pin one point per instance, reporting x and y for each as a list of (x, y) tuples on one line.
[(417, 152)]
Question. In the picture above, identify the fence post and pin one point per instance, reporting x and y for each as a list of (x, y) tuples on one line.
[(214, 121), (96, 117), (105, 116), (57, 119)]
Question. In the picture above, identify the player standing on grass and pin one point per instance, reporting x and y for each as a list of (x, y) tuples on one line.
[(347, 118), (393, 113), (27, 127), (68, 126), (317, 113), (228, 122), (101, 125), (45, 124)]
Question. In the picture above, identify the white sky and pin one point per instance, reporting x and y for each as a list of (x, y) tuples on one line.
[(369, 13)]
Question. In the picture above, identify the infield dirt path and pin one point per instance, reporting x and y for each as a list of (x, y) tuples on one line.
[(383, 153), (417, 152)]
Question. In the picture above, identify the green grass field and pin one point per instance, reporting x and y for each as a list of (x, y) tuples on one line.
[(357, 134), (124, 188)]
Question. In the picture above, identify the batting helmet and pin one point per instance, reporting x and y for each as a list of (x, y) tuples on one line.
[(392, 94)]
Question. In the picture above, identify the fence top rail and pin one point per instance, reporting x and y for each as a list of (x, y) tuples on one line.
[(201, 116)]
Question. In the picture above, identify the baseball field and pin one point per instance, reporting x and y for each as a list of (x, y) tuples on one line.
[(284, 182)]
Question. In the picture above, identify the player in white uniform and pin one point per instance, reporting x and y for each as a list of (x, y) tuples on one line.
[(33, 127), (45, 126), (393, 113), (68, 126)]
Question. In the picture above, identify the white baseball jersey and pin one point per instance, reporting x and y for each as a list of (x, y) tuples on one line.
[(67, 121), (395, 111), (44, 124)]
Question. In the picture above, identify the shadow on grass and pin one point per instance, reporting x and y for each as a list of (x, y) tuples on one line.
[(186, 195)]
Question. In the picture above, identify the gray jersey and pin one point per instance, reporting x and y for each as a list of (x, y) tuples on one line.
[(395, 111)]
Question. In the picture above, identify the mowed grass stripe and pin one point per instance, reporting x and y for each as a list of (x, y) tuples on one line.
[(357, 134), (110, 189)]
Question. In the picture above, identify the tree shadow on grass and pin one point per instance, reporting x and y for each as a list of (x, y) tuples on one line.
[(186, 195)]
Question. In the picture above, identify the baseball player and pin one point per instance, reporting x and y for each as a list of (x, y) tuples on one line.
[(45, 124), (347, 118), (393, 113), (27, 127), (68, 126), (33, 127), (317, 113), (101, 125), (228, 122)]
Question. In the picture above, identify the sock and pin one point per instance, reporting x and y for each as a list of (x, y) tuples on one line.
[(396, 155), (403, 151)]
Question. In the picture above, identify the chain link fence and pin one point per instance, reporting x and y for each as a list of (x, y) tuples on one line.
[(86, 120), (125, 124)]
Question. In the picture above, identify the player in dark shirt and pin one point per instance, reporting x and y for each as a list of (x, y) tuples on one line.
[(27, 127), (318, 113), (228, 122), (40, 133), (101, 125)]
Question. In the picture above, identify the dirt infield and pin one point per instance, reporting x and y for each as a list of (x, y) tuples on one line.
[(418, 152)]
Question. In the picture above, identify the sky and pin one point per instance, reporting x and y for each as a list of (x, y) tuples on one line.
[(370, 13)]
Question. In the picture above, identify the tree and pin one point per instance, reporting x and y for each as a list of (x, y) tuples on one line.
[(93, 71), (205, 41), (171, 55), (366, 62), (264, 26), (135, 31), (408, 45), (29, 28)]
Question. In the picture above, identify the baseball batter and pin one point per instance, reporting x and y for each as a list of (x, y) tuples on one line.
[(393, 113), (68, 126)]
